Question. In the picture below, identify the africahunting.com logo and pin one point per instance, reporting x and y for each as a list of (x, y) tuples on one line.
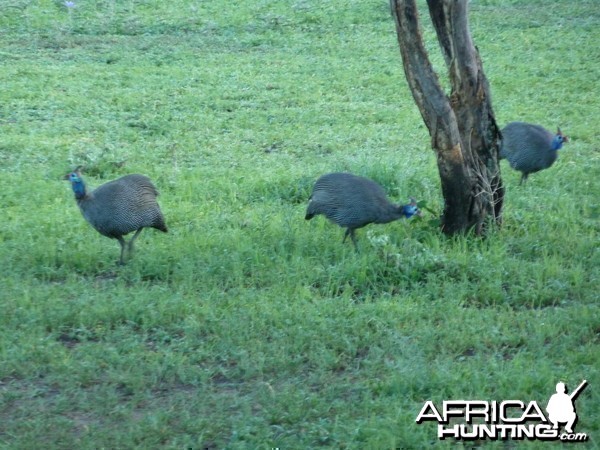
[(509, 419)]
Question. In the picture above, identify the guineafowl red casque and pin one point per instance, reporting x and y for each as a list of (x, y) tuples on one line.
[(352, 202), (119, 207), (530, 148)]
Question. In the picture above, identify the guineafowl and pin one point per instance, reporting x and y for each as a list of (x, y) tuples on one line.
[(119, 207), (353, 202), (530, 148)]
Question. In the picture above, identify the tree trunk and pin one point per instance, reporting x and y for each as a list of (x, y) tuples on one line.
[(462, 127)]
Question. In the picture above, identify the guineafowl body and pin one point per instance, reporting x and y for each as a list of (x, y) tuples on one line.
[(119, 207), (352, 202), (530, 148)]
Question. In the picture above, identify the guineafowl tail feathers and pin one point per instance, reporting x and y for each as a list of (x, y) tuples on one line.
[(309, 210), (159, 223), (162, 226)]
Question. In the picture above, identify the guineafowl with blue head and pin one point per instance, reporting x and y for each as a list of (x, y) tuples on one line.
[(530, 148), (352, 202), (119, 207)]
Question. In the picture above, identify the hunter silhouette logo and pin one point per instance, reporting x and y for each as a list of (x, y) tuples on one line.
[(509, 419), (560, 406)]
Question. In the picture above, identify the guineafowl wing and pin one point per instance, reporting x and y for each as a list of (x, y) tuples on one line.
[(146, 203)]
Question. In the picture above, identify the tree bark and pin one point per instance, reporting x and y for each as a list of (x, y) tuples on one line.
[(462, 126)]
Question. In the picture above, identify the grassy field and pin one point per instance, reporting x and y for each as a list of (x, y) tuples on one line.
[(246, 326)]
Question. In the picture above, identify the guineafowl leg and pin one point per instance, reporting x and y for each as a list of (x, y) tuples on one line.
[(350, 232), (346, 234), (130, 245), (353, 237), (523, 178), (122, 242)]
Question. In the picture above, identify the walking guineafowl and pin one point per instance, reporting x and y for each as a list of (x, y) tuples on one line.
[(119, 207), (353, 202), (530, 148)]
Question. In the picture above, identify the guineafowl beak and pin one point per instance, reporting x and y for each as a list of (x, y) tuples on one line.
[(413, 202)]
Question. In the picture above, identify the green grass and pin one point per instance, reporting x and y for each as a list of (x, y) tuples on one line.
[(246, 326)]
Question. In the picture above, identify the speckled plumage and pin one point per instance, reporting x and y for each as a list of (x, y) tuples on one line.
[(352, 202), (120, 207), (530, 148)]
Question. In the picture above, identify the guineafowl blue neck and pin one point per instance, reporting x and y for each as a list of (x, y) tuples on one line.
[(557, 142), (78, 187)]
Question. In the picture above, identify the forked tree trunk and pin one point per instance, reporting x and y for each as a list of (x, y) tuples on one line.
[(462, 127)]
